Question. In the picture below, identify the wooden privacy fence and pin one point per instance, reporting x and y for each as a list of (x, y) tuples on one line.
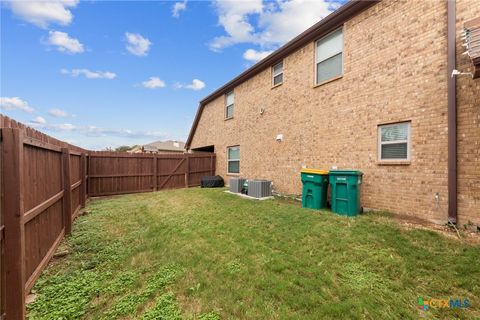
[(43, 189), (112, 173), (44, 184)]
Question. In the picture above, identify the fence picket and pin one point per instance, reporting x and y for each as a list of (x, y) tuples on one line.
[(36, 208), (67, 191), (83, 176), (13, 208)]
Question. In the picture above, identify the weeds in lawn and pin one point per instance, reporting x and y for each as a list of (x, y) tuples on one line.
[(165, 308), (203, 254), (234, 267), (129, 305)]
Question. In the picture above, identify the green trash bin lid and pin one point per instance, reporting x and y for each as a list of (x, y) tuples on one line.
[(346, 172)]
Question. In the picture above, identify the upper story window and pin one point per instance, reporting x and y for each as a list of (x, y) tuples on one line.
[(229, 102), (394, 141), (329, 57), (277, 74)]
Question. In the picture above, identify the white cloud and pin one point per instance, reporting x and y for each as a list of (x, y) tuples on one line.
[(268, 25), (153, 83), (93, 137), (66, 127), (195, 85), (90, 74), (15, 103), (64, 43), (58, 113), (254, 55), (178, 7), (39, 120), (53, 126), (136, 44), (233, 16), (42, 13), (94, 131), (300, 14)]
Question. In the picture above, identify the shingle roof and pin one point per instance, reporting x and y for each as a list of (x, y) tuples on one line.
[(169, 145)]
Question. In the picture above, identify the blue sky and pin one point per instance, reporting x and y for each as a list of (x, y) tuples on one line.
[(108, 73)]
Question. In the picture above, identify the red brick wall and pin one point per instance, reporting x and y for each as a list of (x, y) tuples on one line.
[(468, 124), (395, 69)]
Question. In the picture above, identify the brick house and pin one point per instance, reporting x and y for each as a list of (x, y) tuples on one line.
[(366, 88), (169, 146)]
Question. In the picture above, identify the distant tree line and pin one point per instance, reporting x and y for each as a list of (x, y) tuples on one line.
[(121, 148)]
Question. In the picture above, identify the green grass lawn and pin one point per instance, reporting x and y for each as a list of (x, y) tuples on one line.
[(204, 254)]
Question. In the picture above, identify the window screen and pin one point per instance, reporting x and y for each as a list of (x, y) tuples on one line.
[(329, 56), (233, 159), (394, 141), (229, 102), (277, 73)]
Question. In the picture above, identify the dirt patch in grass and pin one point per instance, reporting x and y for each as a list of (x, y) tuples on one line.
[(465, 233), (205, 254)]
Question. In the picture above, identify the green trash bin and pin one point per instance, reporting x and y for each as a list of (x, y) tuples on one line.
[(314, 192), (345, 186)]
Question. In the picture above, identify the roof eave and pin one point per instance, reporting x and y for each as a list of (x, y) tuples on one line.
[(323, 27)]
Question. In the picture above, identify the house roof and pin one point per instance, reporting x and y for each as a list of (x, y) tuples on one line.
[(169, 145), (321, 28)]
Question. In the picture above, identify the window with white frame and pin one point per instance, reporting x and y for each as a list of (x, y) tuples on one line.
[(394, 141), (277, 74), (229, 102), (329, 56), (233, 159)]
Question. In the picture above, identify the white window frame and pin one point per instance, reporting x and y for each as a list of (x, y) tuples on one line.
[(276, 75), (230, 160), (317, 62), (229, 105), (407, 141)]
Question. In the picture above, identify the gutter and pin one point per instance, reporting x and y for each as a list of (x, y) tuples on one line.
[(452, 113), (321, 28)]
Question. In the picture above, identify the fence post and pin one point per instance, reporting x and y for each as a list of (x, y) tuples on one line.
[(67, 191), (89, 170), (155, 169), (187, 170), (212, 165), (83, 174), (13, 208)]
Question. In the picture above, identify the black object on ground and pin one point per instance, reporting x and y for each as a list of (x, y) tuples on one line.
[(212, 182)]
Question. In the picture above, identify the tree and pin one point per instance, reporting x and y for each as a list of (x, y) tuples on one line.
[(123, 148)]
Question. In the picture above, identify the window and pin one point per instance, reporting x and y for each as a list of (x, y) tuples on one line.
[(277, 74), (329, 57), (233, 159), (394, 141), (229, 101)]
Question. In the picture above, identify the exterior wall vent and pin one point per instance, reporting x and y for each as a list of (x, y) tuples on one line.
[(259, 188)]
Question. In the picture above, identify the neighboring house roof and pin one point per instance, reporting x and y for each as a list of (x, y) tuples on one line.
[(472, 41), (169, 145), (136, 149), (326, 25)]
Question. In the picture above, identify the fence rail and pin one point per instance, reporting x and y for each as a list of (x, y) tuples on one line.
[(45, 183), (109, 174)]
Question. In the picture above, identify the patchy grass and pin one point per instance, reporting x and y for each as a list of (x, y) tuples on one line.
[(204, 254)]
